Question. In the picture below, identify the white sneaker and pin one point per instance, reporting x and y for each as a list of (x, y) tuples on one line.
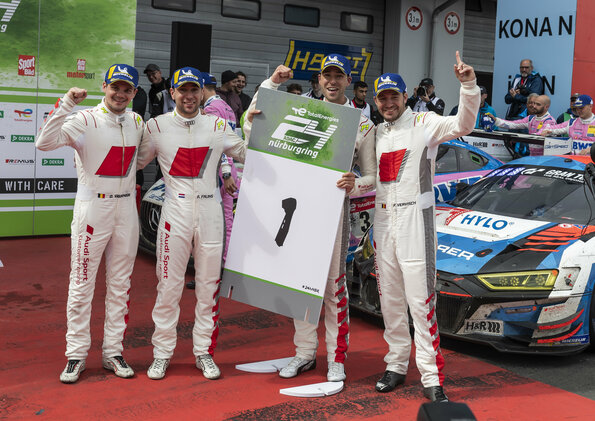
[(336, 372), (208, 367), (72, 371), (296, 366), (157, 369), (118, 366)]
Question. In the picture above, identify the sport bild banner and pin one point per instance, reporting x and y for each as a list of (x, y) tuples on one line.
[(37, 189), (289, 206)]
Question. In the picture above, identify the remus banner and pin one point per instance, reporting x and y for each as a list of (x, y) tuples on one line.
[(289, 206)]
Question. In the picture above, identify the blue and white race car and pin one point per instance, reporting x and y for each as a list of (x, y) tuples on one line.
[(515, 259)]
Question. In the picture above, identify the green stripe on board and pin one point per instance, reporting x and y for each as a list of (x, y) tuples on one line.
[(52, 222), (17, 99), (45, 91), (36, 202), (273, 283), (16, 223), (295, 159)]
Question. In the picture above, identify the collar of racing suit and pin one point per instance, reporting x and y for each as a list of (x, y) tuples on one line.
[(109, 115), (544, 117), (346, 104), (186, 122), (402, 121), (211, 99)]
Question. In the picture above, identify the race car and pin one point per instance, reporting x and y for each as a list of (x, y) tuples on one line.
[(515, 259)]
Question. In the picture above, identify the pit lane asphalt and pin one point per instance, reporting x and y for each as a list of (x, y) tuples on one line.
[(573, 373)]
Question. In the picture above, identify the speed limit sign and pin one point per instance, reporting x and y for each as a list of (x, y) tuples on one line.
[(452, 23), (414, 18)]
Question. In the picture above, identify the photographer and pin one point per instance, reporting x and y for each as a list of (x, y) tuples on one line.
[(424, 98), (526, 82)]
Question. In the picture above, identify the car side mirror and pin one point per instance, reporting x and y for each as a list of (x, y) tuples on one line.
[(461, 187)]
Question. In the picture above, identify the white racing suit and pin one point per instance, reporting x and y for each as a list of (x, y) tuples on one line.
[(404, 231), (104, 216), (336, 298), (189, 152)]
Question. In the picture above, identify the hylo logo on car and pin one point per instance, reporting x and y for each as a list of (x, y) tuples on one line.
[(484, 221)]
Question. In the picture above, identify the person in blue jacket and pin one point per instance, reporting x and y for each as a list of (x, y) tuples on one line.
[(525, 83), (484, 108)]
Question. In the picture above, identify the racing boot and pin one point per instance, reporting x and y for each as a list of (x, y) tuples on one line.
[(72, 371), (336, 372), (296, 366), (157, 369), (435, 394), (118, 366), (208, 367), (389, 381)]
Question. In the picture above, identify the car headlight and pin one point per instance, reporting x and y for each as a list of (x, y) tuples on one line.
[(534, 280), (367, 249)]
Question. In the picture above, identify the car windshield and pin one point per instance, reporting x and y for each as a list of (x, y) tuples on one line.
[(531, 192)]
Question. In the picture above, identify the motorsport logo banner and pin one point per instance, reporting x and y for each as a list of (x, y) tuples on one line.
[(305, 58), (299, 148), (305, 130)]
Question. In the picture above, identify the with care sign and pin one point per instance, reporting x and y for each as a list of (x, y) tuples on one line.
[(289, 206)]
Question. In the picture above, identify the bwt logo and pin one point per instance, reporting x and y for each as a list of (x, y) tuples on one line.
[(303, 131), (24, 113), (581, 145), (81, 65), (26, 65)]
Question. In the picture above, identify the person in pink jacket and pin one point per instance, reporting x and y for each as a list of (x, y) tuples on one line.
[(215, 105), (532, 123), (581, 128)]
